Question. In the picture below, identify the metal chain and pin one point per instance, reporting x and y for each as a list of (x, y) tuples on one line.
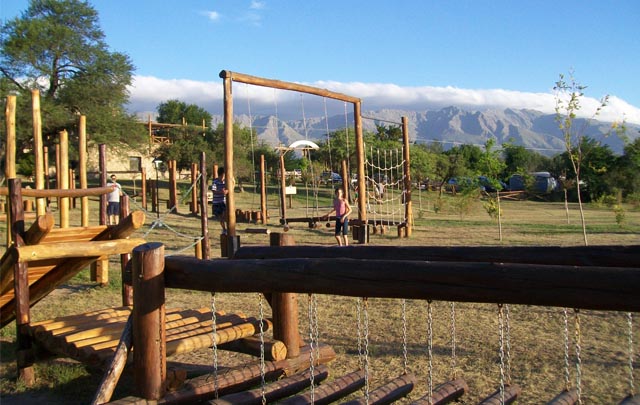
[(405, 362), (507, 322), (632, 387), (501, 351), (430, 351), (262, 364), (578, 337), (311, 346), (214, 323), (567, 370), (454, 360), (359, 331), (365, 312)]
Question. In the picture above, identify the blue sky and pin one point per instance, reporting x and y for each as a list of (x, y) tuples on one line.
[(401, 54)]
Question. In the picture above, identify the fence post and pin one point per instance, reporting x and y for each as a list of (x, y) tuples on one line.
[(149, 329)]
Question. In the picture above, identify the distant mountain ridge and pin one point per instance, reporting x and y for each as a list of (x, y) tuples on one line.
[(450, 126)]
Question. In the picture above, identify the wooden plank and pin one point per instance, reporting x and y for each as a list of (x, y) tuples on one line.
[(388, 393), (444, 393), (511, 393), (74, 234), (599, 288), (60, 193), (331, 391), (64, 250)]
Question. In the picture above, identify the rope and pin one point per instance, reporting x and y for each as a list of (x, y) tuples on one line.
[(578, 335), (365, 310), (632, 389), (567, 370)]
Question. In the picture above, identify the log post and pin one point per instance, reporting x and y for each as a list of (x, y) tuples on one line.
[(82, 153), (127, 289), (285, 308), (102, 165), (149, 333), (263, 191), (408, 211), (228, 153), (344, 172), (64, 178), (41, 203), (143, 187), (10, 155), (155, 203), (24, 350), (283, 188), (362, 195), (173, 186), (204, 215), (194, 195)]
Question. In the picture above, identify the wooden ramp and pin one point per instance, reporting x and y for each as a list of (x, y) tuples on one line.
[(92, 338), (53, 256)]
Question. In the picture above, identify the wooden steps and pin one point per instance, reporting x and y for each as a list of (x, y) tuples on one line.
[(91, 338)]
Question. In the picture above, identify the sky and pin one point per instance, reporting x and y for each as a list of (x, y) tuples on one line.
[(404, 54)]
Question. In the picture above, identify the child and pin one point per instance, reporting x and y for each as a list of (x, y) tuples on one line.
[(219, 188), (342, 209)]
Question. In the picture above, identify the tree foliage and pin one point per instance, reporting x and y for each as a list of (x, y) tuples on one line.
[(58, 48)]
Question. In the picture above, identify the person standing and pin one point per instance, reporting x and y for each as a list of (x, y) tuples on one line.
[(342, 209), (113, 206), (219, 188)]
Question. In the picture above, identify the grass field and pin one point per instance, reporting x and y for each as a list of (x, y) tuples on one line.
[(536, 333)]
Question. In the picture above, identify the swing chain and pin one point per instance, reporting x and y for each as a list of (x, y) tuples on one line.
[(311, 341), (508, 341), (430, 350), (404, 336), (262, 365), (215, 345), (567, 370), (631, 354), (578, 337), (501, 351), (365, 310), (359, 331), (454, 360)]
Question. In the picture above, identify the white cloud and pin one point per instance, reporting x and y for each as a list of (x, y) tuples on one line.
[(212, 15), (257, 5), (147, 92)]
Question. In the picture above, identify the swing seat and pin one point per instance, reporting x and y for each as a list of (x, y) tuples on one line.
[(331, 391), (511, 393), (566, 397), (392, 391), (276, 390), (631, 400), (444, 393)]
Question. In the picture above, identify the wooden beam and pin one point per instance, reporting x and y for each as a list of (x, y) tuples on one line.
[(55, 192), (601, 288), (604, 256), (39, 229), (278, 84), (331, 391), (388, 393), (65, 250)]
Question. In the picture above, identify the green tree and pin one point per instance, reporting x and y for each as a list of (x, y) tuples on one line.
[(57, 47), (179, 112), (569, 95)]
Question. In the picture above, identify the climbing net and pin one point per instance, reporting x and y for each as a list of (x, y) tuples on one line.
[(385, 190)]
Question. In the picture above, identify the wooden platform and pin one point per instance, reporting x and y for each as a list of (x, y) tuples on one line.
[(91, 338)]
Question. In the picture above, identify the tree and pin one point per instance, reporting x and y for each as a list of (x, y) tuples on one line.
[(179, 112), (57, 47), (569, 95)]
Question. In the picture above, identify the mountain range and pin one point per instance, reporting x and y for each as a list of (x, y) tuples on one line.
[(450, 126)]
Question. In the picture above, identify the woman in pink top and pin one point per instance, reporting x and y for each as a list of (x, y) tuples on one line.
[(342, 209)]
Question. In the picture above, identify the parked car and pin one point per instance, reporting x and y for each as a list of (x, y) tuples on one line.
[(330, 177)]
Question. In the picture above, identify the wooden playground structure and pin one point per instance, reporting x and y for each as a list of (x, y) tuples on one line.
[(144, 333)]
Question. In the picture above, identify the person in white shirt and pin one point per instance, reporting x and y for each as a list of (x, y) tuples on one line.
[(113, 199)]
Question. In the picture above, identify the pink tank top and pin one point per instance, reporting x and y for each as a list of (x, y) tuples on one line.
[(339, 206)]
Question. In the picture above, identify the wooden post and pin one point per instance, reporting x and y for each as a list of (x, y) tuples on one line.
[(194, 188), (263, 192), (41, 203), (102, 166), (362, 203), (47, 179), (173, 185), (10, 156), (72, 186), (58, 169), (155, 203), (82, 152), (149, 333), (127, 289), (24, 351), (283, 188), (408, 211), (345, 180), (285, 308), (143, 187), (204, 215), (64, 178), (228, 153)]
